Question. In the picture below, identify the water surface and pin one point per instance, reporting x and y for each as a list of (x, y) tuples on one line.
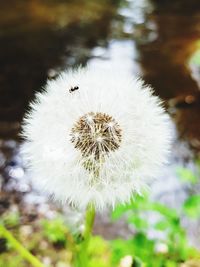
[(157, 40)]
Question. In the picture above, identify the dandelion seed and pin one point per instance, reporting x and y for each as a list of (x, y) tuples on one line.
[(107, 140)]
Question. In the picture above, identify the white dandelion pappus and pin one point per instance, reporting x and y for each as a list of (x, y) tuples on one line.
[(95, 137)]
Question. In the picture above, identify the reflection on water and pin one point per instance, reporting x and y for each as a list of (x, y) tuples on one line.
[(152, 38), (38, 38), (164, 64)]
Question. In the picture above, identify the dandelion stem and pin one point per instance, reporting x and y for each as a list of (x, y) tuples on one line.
[(89, 221), (22, 250), (82, 257)]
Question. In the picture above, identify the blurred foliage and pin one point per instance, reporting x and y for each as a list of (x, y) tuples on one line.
[(158, 239), (99, 252), (192, 206), (11, 219), (195, 58), (187, 175), (169, 245), (167, 248), (55, 230)]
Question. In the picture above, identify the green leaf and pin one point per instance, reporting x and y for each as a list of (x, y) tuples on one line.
[(137, 262), (186, 175), (170, 263), (137, 202), (120, 248), (100, 252), (192, 206), (162, 225), (138, 222), (119, 211), (165, 211)]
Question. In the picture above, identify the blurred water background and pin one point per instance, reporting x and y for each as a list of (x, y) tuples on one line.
[(158, 40)]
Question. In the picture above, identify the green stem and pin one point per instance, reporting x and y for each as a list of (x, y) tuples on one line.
[(89, 221), (22, 250), (82, 253)]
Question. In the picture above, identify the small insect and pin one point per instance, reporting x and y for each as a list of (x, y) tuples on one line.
[(72, 89)]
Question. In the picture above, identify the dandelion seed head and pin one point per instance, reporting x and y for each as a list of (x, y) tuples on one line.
[(96, 140), (110, 124), (98, 144), (89, 118)]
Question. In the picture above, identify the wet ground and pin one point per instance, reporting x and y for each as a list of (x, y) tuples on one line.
[(158, 40)]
